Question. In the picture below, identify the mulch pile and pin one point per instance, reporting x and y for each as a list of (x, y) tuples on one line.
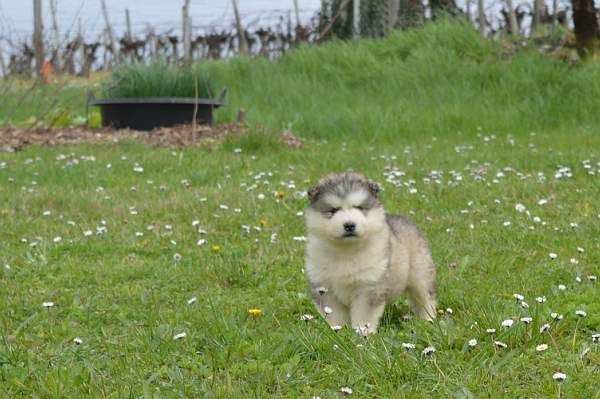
[(14, 139)]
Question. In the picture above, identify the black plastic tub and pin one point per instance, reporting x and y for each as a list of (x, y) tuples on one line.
[(152, 112)]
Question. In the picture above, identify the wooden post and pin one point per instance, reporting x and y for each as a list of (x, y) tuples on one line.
[(481, 17), (56, 59), (38, 39), (186, 32), (356, 19), (243, 45), (468, 5), (536, 20), (393, 10), (2, 64), (111, 39), (128, 24), (512, 18), (297, 12), (554, 14)]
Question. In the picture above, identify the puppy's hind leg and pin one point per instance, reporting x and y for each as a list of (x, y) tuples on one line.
[(422, 297)]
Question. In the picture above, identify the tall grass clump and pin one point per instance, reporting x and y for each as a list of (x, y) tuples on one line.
[(157, 79), (439, 79)]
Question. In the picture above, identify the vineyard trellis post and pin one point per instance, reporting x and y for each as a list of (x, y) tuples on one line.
[(186, 32), (242, 43), (356, 19), (38, 38), (512, 18), (481, 17), (56, 59), (128, 24), (111, 39)]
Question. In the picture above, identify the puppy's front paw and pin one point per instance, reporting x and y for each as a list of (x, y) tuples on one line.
[(365, 330)]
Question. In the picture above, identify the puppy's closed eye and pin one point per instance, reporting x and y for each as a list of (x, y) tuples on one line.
[(331, 211)]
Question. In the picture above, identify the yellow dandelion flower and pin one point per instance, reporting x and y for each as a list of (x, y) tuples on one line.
[(254, 312), (280, 194), (216, 248), (263, 222)]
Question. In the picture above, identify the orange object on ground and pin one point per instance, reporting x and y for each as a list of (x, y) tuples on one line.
[(46, 71)]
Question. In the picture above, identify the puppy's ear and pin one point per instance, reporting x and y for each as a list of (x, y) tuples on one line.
[(374, 188), (313, 193)]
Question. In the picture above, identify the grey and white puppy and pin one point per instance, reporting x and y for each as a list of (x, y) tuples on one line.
[(358, 258)]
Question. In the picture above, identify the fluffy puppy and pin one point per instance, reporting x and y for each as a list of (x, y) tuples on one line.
[(358, 258)]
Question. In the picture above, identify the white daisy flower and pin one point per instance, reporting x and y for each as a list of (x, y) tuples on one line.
[(508, 323), (57, 239), (408, 345), (299, 238), (490, 330), (540, 299), (518, 297), (526, 319), (428, 350), (544, 328), (541, 347), (596, 337), (336, 328), (306, 317), (542, 201), (327, 310), (562, 287), (177, 257), (558, 376), (553, 255), (47, 304), (524, 305), (500, 344), (346, 390), (138, 169), (556, 316), (472, 342), (592, 277), (449, 310), (201, 242), (179, 336), (192, 300), (77, 341), (580, 250), (580, 313)]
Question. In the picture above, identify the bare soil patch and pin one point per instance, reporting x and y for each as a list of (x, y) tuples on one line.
[(14, 138)]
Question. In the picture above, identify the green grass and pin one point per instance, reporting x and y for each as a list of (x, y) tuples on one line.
[(157, 79), (125, 295)]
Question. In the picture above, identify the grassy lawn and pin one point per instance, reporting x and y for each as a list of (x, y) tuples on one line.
[(120, 238)]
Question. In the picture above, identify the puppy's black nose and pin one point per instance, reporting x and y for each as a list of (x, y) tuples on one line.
[(349, 227)]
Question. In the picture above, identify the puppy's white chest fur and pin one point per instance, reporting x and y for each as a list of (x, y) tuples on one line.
[(347, 269)]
